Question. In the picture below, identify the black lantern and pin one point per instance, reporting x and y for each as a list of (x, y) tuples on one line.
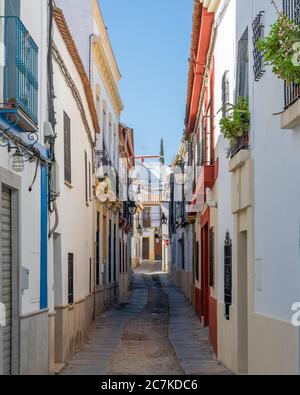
[(132, 209), (139, 229), (164, 219)]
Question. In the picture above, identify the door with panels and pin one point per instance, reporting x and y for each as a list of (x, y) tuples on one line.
[(6, 283), (9, 282)]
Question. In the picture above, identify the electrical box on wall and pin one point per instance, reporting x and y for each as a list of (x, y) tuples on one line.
[(55, 179), (24, 279)]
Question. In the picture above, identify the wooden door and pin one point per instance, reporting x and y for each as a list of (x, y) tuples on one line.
[(205, 287), (158, 249), (146, 248)]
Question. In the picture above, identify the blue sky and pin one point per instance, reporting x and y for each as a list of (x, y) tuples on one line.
[(151, 41)]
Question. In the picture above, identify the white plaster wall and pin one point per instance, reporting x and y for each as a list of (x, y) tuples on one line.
[(79, 13), (111, 138), (75, 216), (225, 59), (225, 217), (34, 16), (277, 193)]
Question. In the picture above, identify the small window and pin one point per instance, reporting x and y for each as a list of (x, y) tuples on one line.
[(86, 177), (115, 253), (109, 252), (90, 182), (243, 67), (70, 278), (183, 252), (90, 277), (67, 149), (98, 251)]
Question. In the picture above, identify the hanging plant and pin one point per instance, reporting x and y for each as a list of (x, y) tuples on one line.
[(236, 123), (281, 49)]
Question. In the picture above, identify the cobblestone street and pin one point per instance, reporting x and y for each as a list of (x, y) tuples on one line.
[(155, 333)]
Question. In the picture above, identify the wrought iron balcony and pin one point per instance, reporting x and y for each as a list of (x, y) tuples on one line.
[(20, 95), (240, 144), (291, 8)]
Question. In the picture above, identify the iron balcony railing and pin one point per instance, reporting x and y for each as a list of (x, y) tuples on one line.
[(291, 8), (21, 68)]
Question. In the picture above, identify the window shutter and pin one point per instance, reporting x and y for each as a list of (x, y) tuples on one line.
[(86, 177), (70, 278), (90, 182), (242, 67), (227, 275), (67, 148)]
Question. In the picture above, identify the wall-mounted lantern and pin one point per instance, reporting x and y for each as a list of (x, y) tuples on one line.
[(18, 161), (164, 219)]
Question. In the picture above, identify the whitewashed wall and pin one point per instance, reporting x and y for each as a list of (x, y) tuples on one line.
[(35, 20), (75, 216), (277, 193), (225, 60)]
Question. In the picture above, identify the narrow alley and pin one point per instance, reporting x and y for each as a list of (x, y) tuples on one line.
[(144, 335)]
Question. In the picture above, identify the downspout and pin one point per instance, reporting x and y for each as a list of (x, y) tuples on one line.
[(52, 120)]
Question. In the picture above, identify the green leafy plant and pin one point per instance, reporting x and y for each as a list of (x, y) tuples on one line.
[(236, 123), (281, 49)]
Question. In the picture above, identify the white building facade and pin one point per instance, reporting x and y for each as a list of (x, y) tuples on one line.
[(72, 239), (23, 189), (100, 64)]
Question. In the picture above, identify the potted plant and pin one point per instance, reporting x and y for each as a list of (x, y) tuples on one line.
[(281, 49), (235, 125)]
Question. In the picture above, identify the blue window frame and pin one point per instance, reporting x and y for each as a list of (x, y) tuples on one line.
[(21, 68)]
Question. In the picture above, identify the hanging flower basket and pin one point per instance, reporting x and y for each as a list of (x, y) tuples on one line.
[(281, 49), (235, 125)]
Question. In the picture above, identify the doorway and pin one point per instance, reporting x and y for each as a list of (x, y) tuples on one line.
[(146, 248), (9, 282), (205, 286), (158, 249), (242, 267)]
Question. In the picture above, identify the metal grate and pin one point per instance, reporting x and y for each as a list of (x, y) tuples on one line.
[(70, 278), (227, 275), (258, 33), (242, 143), (21, 68), (291, 8)]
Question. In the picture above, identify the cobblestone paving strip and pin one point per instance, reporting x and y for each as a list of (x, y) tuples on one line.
[(187, 336), (145, 348), (106, 336), (156, 333)]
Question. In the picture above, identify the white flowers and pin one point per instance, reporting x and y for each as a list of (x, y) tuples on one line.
[(296, 316), (296, 56)]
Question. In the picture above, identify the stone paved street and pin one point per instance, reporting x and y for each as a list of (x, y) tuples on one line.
[(155, 333)]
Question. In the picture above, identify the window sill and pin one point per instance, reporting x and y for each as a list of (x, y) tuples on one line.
[(67, 184), (290, 118), (239, 160)]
